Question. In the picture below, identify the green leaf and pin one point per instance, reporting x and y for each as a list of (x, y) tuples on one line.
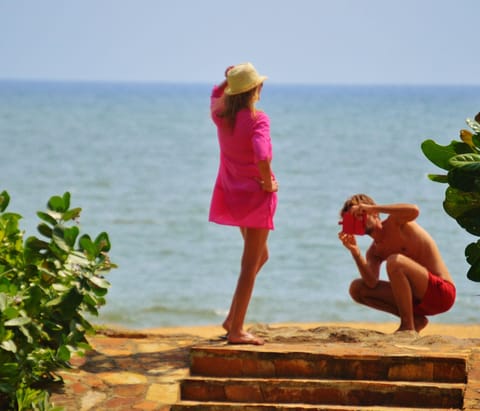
[(11, 223), (61, 238), (36, 244), (60, 287), (9, 345), (45, 230), (99, 282), (70, 235), (438, 178), (57, 203), (470, 162), (47, 217), (87, 245), (472, 252), (66, 200), (53, 302), (9, 369), (470, 221), (473, 273), (4, 201), (102, 242), (10, 312), (72, 214), (63, 353), (458, 202), (440, 155), (35, 250), (26, 333), (464, 179), (15, 322), (77, 258), (70, 303)]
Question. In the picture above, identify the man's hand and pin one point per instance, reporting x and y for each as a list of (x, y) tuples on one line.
[(359, 209), (349, 242)]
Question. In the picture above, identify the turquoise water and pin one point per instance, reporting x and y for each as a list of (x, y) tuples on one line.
[(141, 161)]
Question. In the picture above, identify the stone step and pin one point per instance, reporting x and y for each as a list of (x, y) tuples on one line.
[(320, 362), (323, 392), (226, 406)]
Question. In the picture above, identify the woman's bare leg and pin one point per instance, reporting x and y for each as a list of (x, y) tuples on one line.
[(228, 321), (255, 254)]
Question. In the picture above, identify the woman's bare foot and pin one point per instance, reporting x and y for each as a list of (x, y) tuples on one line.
[(244, 338), (226, 326)]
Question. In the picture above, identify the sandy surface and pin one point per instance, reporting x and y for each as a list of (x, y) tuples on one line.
[(434, 337), (212, 331)]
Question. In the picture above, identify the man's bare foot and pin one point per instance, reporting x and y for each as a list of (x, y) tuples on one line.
[(406, 333), (406, 328), (244, 338), (420, 323)]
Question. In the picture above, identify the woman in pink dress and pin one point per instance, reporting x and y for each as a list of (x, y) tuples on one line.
[(244, 194)]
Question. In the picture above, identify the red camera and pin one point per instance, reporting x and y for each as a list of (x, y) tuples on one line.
[(353, 225)]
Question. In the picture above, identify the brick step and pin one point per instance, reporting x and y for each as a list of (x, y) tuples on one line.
[(300, 361), (323, 392), (225, 406)]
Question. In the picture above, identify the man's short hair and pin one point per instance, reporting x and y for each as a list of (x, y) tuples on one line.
[(355, 200)]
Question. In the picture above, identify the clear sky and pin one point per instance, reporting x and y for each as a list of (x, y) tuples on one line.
[(291, 41)]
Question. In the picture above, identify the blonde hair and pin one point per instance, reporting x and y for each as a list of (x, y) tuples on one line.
[(355, 200), (235, 103)]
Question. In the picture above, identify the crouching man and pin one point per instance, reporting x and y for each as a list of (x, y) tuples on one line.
[(419, 282)]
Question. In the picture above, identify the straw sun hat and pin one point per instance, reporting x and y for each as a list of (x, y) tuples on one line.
[(241, 78)]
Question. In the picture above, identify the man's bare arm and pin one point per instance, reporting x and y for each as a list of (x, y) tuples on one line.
[(369, 267), (402, 213)]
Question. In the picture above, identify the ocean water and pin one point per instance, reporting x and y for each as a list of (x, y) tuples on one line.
[(141, 159)]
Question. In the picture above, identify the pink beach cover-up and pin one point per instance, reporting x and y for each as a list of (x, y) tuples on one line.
[(238, 198)]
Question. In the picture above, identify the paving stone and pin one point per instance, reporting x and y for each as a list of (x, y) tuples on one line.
[(125, 373), (91, 399), (163, 393), (147, 405), (130, 390), (119, 402), (123, 377)]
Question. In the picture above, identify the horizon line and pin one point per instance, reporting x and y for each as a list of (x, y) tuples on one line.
[(207, 83)]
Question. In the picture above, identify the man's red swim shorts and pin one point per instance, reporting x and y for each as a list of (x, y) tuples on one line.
[(439, 297)]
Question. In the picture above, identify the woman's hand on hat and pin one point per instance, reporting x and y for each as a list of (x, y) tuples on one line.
[(228, 69)]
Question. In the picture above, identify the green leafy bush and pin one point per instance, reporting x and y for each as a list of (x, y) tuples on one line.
[(47, 286), (461, 160)]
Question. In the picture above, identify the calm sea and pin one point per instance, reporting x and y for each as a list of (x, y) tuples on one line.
[(141, 161)]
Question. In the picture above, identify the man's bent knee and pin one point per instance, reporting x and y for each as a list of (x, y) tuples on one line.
[(395, 261), (356, 289)]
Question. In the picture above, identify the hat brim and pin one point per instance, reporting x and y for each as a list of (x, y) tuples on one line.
[(231, 92)]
